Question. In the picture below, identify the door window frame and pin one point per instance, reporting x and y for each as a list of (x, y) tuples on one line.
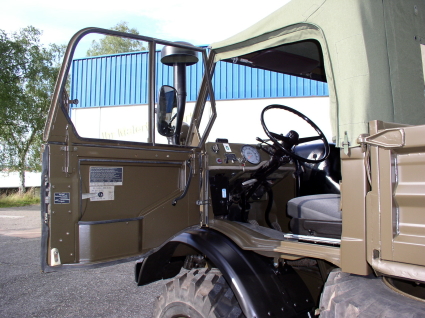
[(58, 95)]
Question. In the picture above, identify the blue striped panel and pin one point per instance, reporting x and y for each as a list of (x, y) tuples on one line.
[(122, 79)]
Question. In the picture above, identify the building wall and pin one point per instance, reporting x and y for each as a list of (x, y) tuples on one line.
[(113, 94), (237, 120), (10, 180), (122, 79)]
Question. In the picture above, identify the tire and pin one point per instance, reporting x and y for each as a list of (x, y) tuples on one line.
[(347, 295), (198, 293)]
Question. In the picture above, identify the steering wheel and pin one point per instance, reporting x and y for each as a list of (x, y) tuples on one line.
[(292, 139)]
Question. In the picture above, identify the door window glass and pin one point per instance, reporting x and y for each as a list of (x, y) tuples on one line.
[(113, 93), (291, 75)]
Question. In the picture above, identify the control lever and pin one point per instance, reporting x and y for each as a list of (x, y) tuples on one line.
[(263, 141), (264, 149), (249, 182)]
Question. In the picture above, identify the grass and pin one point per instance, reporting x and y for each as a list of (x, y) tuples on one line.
[(16, 199)]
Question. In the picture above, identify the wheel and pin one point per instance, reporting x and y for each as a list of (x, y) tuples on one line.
[(347, 295), (198, 293), (286, 143)]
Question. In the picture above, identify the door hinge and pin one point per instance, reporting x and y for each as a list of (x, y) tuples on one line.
[(67, 149), (46, 218), (67, 167)]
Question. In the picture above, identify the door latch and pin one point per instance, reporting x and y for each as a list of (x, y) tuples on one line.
[(388, 138)]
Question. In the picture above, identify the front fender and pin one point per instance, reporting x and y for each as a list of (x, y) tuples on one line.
[(261, 289)]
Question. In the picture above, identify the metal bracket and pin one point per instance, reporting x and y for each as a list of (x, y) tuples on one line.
[(345, 144), (68, 149), (55, 257), (204, 202), (46, 218), (88, 195), (186, 188), (67, 168), (388, 138)]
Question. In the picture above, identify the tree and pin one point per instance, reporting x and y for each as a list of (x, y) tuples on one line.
[(112, 44), (27, 74)]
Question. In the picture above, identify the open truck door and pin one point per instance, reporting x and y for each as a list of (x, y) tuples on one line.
[(257, 249), (107, 191)]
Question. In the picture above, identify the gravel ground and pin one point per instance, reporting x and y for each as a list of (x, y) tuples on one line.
[(27, 292)]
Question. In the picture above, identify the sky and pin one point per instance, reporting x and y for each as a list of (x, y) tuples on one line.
[(194, 21)]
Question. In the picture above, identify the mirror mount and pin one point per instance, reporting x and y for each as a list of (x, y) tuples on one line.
[(179, 58)]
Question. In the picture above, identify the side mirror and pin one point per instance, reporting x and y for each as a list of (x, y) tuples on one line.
[(167, 101)]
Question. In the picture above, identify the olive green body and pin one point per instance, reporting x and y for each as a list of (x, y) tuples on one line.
[(372, 60)]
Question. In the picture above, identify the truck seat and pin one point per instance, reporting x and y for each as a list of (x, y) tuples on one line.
[(319, 178), (323, 207), (318, 215), (317, 210)]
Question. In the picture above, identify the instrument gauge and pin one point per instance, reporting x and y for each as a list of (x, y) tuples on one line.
[(251, 154)]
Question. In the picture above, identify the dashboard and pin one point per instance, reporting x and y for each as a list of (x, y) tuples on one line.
[(242, 158), (232, 170)]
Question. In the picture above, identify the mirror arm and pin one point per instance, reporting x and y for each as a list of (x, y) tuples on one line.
[(180, 85)]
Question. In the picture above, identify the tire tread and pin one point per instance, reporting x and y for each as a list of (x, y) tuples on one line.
[(347, 295), (203, 290)]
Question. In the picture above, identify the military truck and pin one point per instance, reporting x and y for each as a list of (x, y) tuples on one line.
[(287, 225)]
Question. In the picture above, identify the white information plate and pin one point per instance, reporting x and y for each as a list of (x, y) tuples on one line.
[(104, 193), (108, 176)]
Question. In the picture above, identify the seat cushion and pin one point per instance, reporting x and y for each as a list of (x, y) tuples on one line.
[(316, 207)]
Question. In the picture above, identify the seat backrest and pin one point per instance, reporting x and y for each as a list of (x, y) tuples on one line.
[(323, 177)]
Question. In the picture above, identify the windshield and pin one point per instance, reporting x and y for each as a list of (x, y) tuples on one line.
[(292, 75)]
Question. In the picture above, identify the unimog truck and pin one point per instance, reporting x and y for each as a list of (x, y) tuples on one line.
[(288, 224)]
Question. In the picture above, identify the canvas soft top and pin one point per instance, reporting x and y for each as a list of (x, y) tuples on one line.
[(373, 59)]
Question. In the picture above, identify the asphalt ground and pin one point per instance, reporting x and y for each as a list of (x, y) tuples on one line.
[(27, 292)]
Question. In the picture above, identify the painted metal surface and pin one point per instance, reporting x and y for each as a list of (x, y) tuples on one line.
[(275, 291), (122, 79)]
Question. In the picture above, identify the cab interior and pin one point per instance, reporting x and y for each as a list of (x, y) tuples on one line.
[(291, 186), (300, 196)]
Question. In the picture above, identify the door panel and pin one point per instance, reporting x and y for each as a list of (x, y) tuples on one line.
[(110, 239), (408, 241), (145, 186), (109, 177), (396, 204), (125, 214)]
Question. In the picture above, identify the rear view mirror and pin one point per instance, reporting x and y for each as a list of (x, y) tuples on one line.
[(167, 101)]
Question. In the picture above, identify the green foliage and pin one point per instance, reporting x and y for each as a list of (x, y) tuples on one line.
[(112, 44), (27, 75), (18, 199)]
